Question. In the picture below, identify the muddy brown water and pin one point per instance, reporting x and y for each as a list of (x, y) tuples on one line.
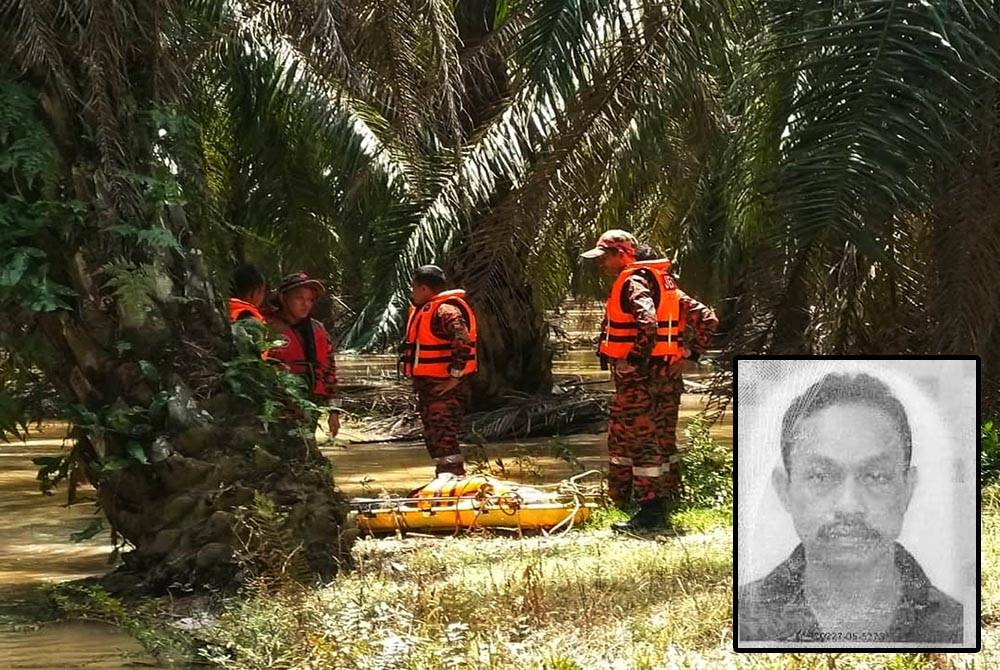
[(35, 528), (369, 469)]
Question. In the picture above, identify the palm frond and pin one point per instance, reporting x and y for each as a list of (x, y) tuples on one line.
[(881, 97), (962, 248), (862, 105), (517, 167)]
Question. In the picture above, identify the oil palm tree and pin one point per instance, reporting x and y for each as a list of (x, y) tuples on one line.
[(594, 113), (137, 138), (872, 127)]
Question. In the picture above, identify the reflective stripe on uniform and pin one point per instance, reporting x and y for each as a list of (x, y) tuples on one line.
[(620, 460), (651, 471)]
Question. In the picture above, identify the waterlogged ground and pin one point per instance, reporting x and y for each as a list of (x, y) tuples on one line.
[(77, 644), (585, 600), (35, 529), (366, 469), (37, 550)]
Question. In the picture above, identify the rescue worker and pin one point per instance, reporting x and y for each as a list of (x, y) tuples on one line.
[(249, 288), (644, 341), (439, 354), (307, 351)]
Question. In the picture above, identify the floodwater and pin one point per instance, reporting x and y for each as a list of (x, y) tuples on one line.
[(367, 469), (370, 469), (77, 644), (35, 529), (37, 550)]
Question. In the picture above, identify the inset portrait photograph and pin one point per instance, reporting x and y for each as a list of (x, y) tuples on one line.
[(857, 508)]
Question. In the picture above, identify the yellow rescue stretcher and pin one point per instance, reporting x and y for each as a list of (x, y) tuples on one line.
[(450, 503)]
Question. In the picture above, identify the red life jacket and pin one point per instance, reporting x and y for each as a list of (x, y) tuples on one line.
[(293, 355), (424, 353), (620, 327), (238, 307)]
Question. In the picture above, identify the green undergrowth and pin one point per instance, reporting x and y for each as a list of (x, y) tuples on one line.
[(489, 602), (581, 600), (585, 599), (990, 538), (149, 620), (989, 454)]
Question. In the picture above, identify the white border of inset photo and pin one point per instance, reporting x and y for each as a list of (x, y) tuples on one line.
[(941, 526)]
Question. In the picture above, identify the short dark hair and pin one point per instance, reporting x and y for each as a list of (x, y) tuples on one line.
[(430, 276), (247, 279), (835, 389), (644, 252)]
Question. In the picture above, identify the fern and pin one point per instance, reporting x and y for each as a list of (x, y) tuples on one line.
[(27, 175)]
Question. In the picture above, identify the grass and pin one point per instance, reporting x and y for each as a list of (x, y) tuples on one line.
[(991, 556), (587, 599), (491, 603)]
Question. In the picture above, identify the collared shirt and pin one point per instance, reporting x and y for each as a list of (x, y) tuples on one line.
[(775, 608)]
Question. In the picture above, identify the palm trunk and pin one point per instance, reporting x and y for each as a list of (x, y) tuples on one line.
[(197, 486), (514, 354), (791, 317), (180, 461)]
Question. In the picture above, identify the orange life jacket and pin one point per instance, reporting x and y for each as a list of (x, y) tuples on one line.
[(620, 327), (237, 307), (424, 353)]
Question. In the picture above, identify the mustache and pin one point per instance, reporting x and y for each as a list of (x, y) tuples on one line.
[(852, 527)]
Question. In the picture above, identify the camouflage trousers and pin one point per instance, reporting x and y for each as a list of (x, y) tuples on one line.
[(643, 461), (442, 416)]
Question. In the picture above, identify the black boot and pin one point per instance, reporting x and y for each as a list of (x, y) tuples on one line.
[(650, 517)]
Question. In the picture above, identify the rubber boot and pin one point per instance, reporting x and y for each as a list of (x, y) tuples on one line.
[(650, 516)]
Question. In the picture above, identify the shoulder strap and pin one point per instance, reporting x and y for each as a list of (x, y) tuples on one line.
[(462, 306), (650, 276)]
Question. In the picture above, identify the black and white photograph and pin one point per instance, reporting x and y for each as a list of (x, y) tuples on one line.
[(857, 510)]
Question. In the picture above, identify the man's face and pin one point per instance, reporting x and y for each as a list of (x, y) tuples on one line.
[(298, 302), (421, 294), (612, 262), (849, 486)]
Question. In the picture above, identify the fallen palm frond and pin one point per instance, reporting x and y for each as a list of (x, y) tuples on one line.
[(572, 408)]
